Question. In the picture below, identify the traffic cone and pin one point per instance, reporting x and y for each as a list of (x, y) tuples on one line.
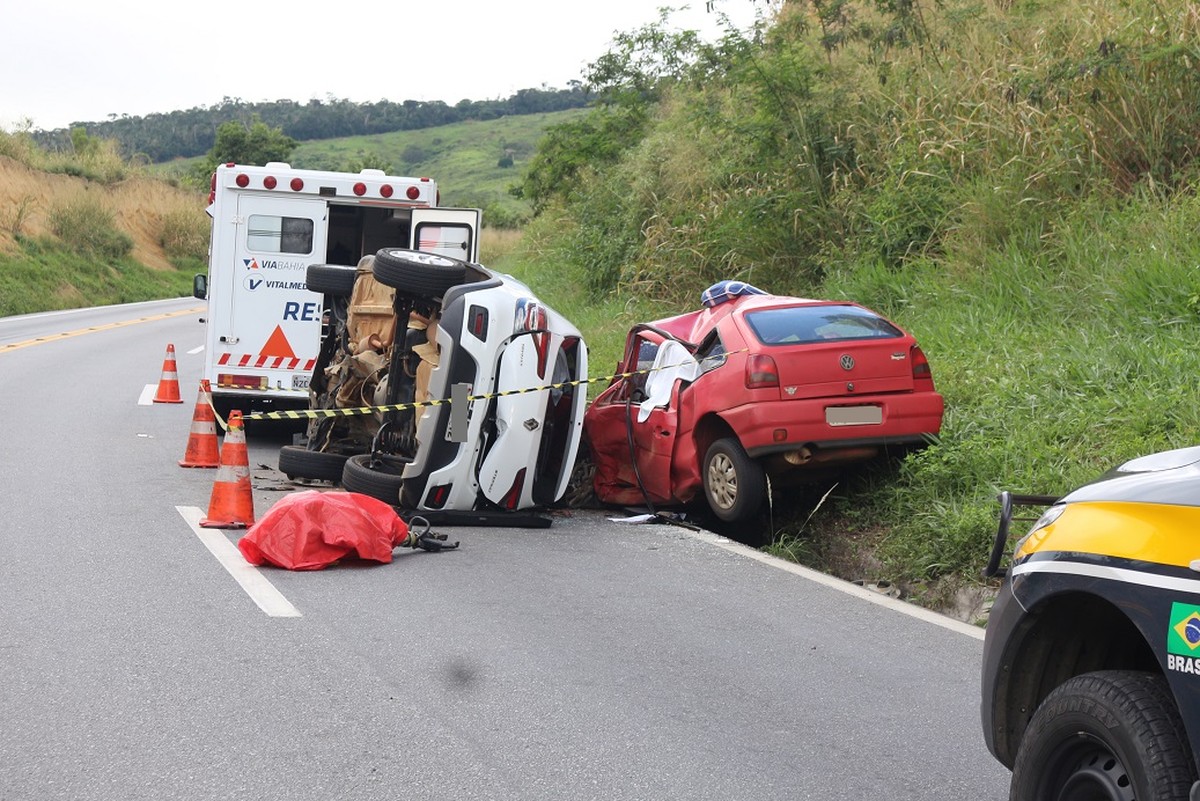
[(232, 502), (202, 448), (168, 385)]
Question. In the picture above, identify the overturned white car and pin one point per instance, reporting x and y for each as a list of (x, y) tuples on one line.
[(489, 385)]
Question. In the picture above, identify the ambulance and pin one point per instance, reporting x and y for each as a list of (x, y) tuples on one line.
[(269, 224)]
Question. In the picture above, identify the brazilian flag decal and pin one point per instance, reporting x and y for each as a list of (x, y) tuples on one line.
[(1183, 635)]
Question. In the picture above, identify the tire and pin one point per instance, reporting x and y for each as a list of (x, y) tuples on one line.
[(297, 462), (414, 272), (734, 484), (331, 279), (378, 477), (1112, 734)]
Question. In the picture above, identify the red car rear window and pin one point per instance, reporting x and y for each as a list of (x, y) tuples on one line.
[(797, 325)]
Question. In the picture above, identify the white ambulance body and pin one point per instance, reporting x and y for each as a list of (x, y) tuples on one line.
[(268, 225)]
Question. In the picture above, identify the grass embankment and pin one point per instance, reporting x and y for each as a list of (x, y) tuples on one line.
[(1055, 365), (91, 230), (45, 275), (1033, 225)]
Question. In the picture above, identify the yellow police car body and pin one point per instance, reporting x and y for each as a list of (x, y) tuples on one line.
[(1091, 668)]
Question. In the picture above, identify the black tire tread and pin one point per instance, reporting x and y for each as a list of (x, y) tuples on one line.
[(298, 462), (752, 483), (380, 479), (1139, 704), (394, 267), (331, 279)]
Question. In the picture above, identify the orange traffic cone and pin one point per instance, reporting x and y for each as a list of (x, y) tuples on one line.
[(202, 449), (168, 385), (232, 502)]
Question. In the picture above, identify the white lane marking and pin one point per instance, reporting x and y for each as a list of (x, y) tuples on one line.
[(194, 351), (912, 610), (256, 585), (147, 396)]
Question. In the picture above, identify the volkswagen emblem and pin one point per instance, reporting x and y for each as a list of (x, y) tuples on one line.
[(847, 361)]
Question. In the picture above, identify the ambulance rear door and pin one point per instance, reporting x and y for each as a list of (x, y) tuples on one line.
[(447, 232), (273, 333)]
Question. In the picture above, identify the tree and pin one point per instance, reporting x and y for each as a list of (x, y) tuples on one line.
[(254, 144), (236, 142), (625, 82)]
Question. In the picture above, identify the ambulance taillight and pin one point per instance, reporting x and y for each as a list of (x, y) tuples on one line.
[(234, 381)]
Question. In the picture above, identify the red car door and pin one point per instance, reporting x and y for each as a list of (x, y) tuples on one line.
[(616, 417)]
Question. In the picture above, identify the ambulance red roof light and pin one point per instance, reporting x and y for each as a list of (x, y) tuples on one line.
[(269, 182), (386, 190), (297, 184), (242, 180), (360, 188), (413, 193)]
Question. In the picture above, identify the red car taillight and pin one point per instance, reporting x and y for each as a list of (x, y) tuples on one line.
[(761, 372), (477, 322), (437, 496), (513, 496), (920, 366), (531, 316)]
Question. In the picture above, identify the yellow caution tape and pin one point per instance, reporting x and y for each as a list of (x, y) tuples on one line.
[(310, 414)]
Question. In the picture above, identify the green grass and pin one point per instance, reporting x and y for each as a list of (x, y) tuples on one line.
[(1055, 367), (46, 274)]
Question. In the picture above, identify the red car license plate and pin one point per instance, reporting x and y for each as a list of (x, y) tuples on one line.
[(854, 415)]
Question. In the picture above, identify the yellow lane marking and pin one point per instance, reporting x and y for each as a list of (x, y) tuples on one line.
[(93, 329)]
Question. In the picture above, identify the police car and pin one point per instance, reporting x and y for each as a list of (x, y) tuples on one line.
[(1091, 663)]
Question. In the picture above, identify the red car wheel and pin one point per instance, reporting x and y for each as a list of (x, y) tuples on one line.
[(734, 484)]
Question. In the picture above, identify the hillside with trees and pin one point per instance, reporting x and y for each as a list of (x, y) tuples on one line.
[(193, 132)]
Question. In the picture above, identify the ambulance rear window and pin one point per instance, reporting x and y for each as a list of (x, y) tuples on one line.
[(270, 234)]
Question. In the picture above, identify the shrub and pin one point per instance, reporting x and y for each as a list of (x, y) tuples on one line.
[(184, 234), (88, 228), (19, 147), (414, 155), (15, 218)]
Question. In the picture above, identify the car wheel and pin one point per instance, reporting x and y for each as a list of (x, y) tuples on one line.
[(1110, 735), (331, 279), (297, 462), (734, 484), (426, 275), (378, 477)]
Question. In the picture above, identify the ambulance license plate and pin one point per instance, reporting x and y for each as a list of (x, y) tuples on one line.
[(300, 382), (854, 415)]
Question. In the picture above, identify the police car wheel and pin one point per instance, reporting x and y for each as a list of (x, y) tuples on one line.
[(426, 275), (1111, 736), (331, 279)]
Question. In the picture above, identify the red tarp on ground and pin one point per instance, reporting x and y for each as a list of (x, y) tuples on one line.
[(311, 530)]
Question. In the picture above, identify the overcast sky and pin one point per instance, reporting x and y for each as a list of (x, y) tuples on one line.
[(64, 61)]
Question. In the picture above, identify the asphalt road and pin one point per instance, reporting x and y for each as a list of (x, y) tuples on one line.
[(590, 660)]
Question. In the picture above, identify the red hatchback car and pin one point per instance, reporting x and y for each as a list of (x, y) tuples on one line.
[(754, 386)]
